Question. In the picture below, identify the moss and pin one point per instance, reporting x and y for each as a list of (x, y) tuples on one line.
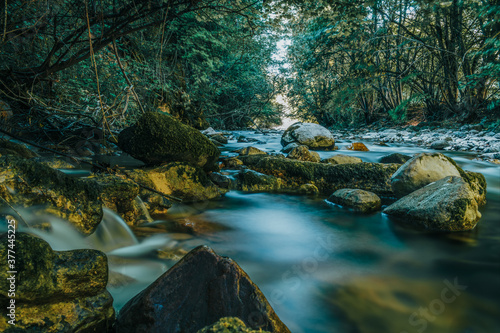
[(229, 325), (158, 138), (476, 181), (251, 181)]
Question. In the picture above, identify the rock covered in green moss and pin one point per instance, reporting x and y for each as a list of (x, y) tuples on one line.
[(446, 205), (8, 147), (342, 159), (250, 151), (374, 177), (358, 200), (253, 181), (301, 153), (28, 183), (308, 189), (157, 138), (177, 179), (229, 325), (56, 291), (199, 290), (308, 134)]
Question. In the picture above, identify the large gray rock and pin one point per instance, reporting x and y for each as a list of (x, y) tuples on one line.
[(199, 290), (301, 153), (445, 205), (56, 291), (358, 200), (158, 138), (308, 134), (342, 159), (421, 170), (440, 144)]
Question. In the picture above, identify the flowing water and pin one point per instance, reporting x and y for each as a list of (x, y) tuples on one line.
[(327, 269)]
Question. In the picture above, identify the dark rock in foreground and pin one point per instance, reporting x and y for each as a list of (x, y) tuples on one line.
[(198, 291), (56, 291), (28, 183), (158, 138), (446, 205), (373, 177)]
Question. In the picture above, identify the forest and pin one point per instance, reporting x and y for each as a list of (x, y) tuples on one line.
[(66, 64)]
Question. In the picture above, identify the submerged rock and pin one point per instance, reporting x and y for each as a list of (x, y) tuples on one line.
[(253, 181), (446, 205), (374, 177), (358, 200), (395, 158), (301, 153), (199, 290), (342, 159), (308, 134), (28, 183), (158, 138), (177, 179), (55, 291), (229, 325)]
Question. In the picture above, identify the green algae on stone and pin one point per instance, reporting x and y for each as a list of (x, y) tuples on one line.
[(157, 138), (28, 183), (252, 181), (374, 177), (229, 325)]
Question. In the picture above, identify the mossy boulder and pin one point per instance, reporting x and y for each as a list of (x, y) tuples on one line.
[(157, 138), (327, 178), (358, 200), (8, 147), (446, 205), (199, 290), (28, 183), (253, 181), (308, 134), (56, 291), (342, 159), (308, 189), (301, 153), (180, 180), (229, 325), (395, 158), (250, 151)]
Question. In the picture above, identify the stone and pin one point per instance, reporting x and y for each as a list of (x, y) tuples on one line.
[(342, 159), (328, 178), (219, 138), (56, 291), (308, 134), (445, 205), (301, 153), (157, 138), (308, 189), (440, 144), (288, 148), (253, 181), (232, 163), (358, 146), (28, 183), (221, 180), (358, 200), (229, 325), (8, 147), (180, 180), (395, 158), (250, 151), (199, 290), (421, 170)]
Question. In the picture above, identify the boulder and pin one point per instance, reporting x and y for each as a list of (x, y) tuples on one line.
[(221, 180), (374, 177), (177, 179), (358, 200), (308, 189), (250, 151), (446, 205), (342, 159), (157, 138), (8, 147), (395, 158), (253, 181), (421, 170), (229, 325), (301, 153), (358, 146), (199, 290), (219, 138), (308, 134), (440, 144), (232, 163), (55, 291), (28, 183), (288, 148)]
